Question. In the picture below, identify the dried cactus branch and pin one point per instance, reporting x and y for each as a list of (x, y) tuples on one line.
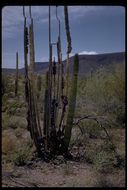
[(100, 125)]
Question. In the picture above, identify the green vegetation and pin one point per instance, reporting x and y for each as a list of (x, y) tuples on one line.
[(104, 161), (15, 149), (7, 85), (13, 107), (102, 94), (22, 155)]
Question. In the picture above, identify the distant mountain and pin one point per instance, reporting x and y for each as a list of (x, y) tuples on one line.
[(86, 63), (40, 67)]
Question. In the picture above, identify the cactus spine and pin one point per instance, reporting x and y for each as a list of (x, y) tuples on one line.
[(72, 102), (16, 78)]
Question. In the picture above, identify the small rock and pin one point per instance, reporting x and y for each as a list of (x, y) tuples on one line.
[(59, 160)]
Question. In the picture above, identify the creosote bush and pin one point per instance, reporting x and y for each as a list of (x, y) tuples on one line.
[(8, 144), (18, 132), (21, 156), (12, 107), (5, 120), (17, 122), (17, 153), (91, 128), (103, 93), (104, 161), (5, 84)]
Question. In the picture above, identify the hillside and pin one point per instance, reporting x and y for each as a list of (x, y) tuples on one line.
[(86, 63)]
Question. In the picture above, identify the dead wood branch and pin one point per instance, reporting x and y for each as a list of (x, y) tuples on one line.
[(95, 118)]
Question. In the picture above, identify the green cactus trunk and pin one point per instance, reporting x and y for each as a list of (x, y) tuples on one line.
[(16, 78), (39, 83), (72, 103), (33, 79)]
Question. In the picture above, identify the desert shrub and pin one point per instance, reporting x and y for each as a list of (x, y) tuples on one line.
[(17, 151), (13, 106), (120, 163), (30, 143), (17, 121), (5, 84), (76, 137), (8, 144), (91, 128), (104, 161), (89, 155), (21, 112), (18, 132), (98, 151), (120, 115), (5, 120), (103, 93), (4, 102), (21, 156), (88, 130)]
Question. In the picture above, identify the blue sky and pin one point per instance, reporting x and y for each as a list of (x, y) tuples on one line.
[(94, 30)]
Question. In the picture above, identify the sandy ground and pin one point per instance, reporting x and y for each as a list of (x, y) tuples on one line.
[(60, 173)]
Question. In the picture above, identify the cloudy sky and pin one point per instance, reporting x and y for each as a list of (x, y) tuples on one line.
[(94, 30)]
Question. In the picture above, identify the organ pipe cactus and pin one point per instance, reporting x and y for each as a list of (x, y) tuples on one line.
[(72, 103), (69, 47), (32, 113), (53, 132)]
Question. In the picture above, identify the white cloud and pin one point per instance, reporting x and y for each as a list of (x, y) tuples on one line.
[(88, 53)]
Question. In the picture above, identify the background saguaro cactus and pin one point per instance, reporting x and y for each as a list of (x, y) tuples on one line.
[(72, 102), (16, 77)]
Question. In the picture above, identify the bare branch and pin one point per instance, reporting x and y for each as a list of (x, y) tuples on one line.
[(95, 118)]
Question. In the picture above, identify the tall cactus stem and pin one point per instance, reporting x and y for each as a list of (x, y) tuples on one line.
[(72, 103)]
